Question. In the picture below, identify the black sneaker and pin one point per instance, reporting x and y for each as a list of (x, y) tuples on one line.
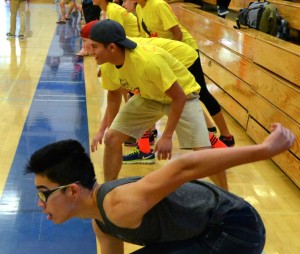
[(222, 11), (155, 133), (229, 141), (9, 35), (138, 157)]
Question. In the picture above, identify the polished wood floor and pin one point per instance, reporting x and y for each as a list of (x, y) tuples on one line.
[(262, 184)]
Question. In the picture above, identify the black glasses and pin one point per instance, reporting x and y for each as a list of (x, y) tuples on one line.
[(44, 195)]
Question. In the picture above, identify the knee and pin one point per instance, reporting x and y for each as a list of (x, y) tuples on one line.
[(113, 139)]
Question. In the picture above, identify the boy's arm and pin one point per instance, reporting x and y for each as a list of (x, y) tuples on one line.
[(164, 144), (108, 244), (177, 33), (198, 164), (114, 99)]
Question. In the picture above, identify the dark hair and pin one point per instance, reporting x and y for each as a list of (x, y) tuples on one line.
[(63, 162)]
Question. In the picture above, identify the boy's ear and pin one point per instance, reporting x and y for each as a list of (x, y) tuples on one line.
[(75, 189)]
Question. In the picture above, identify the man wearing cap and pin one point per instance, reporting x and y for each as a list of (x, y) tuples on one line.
[(162, 86)]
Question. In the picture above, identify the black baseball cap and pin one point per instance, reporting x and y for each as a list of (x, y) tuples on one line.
[(110, 31)]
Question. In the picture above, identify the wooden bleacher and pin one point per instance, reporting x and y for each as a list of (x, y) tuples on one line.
[(254, 76)]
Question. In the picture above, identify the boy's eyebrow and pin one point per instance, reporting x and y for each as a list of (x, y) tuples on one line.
[(41, 187)]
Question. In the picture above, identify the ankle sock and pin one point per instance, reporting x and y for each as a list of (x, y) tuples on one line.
[(143, 143), (215, 142), (229, 138)]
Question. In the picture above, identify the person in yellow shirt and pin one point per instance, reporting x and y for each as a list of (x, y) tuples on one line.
[(157, 19), (162, 86), (116, 12)]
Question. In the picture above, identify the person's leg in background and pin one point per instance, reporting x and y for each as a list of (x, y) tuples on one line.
[(14, 5), (132, 122), (211, 104), (222, 6), (192, 134), (72, 6), (22, 12), (62, 5)]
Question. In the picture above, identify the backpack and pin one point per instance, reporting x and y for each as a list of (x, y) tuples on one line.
[(262, 16)]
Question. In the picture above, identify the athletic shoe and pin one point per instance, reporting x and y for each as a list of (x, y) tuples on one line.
[(222, 11), (155, 133), (61, 22), (131, 142), (138, 157), (9, 35), (229, 141)]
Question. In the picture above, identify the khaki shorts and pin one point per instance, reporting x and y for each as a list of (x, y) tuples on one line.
[(139, 114)]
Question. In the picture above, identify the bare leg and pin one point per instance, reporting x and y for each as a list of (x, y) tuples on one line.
[(220, 122), (220, 179), (209, 123), (71, 7), (113, 153), (62, 5)]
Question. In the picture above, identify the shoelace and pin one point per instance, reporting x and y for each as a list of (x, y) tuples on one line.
[(135, 150)]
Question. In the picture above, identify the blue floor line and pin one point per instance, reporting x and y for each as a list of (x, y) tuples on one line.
[(58, 111)]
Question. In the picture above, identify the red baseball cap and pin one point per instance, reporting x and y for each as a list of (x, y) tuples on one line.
[(85, 31)]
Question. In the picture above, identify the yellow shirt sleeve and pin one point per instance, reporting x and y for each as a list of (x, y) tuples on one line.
[(110, 77)]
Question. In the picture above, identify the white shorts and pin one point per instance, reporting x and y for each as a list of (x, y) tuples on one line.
[(139, 114)]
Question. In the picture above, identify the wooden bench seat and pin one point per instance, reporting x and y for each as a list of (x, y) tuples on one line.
[(255, 76)]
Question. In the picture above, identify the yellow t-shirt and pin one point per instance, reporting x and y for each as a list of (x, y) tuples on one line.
[(149, 71), (109, 77), (181, 51), (159, 17), (126, 19)]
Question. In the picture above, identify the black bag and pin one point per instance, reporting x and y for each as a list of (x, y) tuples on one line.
[(263, 16), (251, 16)]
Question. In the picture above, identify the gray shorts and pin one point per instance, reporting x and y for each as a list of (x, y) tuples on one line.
[(139, 114)]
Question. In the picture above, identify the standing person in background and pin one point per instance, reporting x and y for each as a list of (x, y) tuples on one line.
[(156, 19), (15, 6), (66, 16)]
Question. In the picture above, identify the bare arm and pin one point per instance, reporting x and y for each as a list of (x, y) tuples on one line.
[(164, 145), (204, 163), (114, 99), (198, 164), (132, 201), (108, 244), (177, 33)]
